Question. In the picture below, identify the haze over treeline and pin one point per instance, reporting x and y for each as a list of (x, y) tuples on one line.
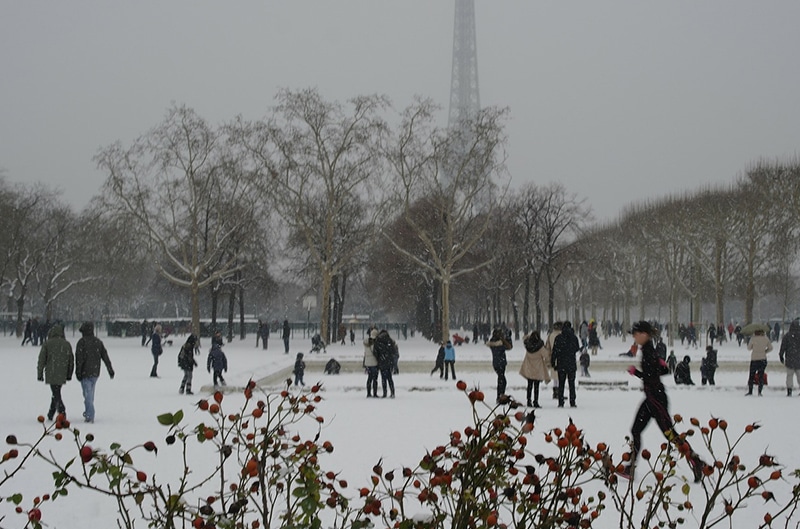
[(376, 210)]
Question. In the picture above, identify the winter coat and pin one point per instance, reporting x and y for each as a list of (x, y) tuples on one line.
[(186, 359), (449, 353), (564, 348), (369, 356), (155, 344), (652, 369), (683, 374), (385, 349), (708, 364), (759, 346), (536, 363), (287, 330), (217, 359), (499, 348), (89, 352), (585, 359), (594, 339), (789, 353), (56, 362), (299, 367)]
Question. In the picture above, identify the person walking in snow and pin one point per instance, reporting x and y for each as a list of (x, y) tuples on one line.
[(708, 366), (672, 362), (89, 352), (789, 355), (299, 370), (187, 363), (439, 365), (217, 361), (655, 404), (155, 349), (585, 360), (55, 367), (287, 331)]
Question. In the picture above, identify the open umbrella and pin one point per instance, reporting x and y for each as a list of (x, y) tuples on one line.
[(751, 328)]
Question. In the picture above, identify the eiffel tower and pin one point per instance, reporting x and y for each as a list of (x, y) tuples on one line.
[(464, 97)]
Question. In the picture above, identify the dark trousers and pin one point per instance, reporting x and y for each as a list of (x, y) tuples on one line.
[(372, 381), (534, 386), (568, 377), (186, 383), (386, 378), (653, 407), (440, 368), (452, 365), (218, 378), (56, 404), (154, 370), (501, 380), (757, 367), (286, 345)]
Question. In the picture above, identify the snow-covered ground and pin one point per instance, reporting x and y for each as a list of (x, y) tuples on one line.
[(364, 430)]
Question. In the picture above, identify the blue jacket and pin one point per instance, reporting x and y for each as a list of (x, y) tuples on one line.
[(449, 353), (217, 359)]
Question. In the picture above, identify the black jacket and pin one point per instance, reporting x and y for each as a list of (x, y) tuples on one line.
[(565, 347), (683, 375)]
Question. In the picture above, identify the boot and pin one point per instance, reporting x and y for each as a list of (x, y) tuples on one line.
[(536, 404), (749, 390), (788, 392)]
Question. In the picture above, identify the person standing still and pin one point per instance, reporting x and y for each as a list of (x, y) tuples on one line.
[(789, 355), (155, 350), (287, 331), (89, 352), (143, 329), (498, 344), (264, 334), (449, 359), (759, 345), (565, 347), (55, 367)]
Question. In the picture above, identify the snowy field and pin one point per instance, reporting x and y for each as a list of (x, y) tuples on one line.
[(364, 430)]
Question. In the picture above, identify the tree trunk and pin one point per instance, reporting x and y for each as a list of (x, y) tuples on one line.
[(231, 309), (750, 284), (324, 330), (551, 294), (719, 288), (526, 302), (537, 302), (194, 288), (445, 309), (214, 304), (20, 310), (242, 330)]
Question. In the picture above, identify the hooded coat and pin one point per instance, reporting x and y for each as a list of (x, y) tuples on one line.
[(535, 364), (89, 352), (56, 362), (789, 352)]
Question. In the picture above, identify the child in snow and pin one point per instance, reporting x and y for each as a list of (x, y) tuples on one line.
[(672, 362), (683, 374), (708, 366), (449, 359), (585, 361), (299, 370), (217, 360)]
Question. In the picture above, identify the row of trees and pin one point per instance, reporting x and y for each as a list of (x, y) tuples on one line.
[(408, 220)]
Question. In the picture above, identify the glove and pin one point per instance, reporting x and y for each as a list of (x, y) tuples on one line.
[(40, 379), (209, 370), (631, 370), (663, 363), (111, 374), (69, 378)]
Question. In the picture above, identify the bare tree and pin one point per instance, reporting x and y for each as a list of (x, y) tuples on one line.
[(454, 171), (178, 184), (320, 159)]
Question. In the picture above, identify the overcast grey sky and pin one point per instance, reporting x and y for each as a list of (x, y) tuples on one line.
[(618, 100)]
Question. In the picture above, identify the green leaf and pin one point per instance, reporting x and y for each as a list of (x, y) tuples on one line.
[(686, 488), (139, 498), (126, 457), (114, 446), (167, 419), (178, 417), (16, 499)]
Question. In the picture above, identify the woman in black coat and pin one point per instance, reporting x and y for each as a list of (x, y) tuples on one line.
[(499, 345)]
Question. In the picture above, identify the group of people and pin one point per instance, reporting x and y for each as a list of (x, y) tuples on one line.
[(263, 332), (56, 366), (35, 332)]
